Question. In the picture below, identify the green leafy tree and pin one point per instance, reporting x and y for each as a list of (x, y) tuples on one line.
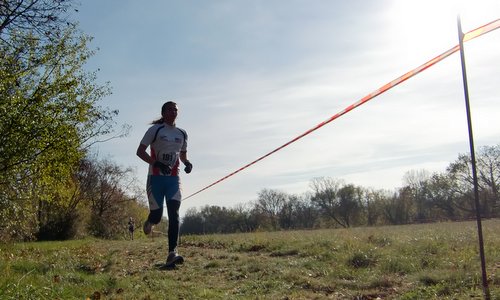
[(49, 109)]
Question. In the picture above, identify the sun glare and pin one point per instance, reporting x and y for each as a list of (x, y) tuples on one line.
[(426, 18), (419, 29)]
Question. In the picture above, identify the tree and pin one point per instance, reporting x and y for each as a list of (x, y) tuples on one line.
[(374, 200), (103, 189), (488, 174), (416, 184), (350, 204), (306, 215), (59, 217), (192, 222), (440, 195), (217, 219), (49, 112), (49, 108), (246, 219), (338, 201), (397, 209), (45, 18), (271, 203), (325, 196)]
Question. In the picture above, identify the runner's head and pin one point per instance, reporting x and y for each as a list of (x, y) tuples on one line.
[(169, 112)]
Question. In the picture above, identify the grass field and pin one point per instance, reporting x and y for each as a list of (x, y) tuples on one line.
[(428, 261)]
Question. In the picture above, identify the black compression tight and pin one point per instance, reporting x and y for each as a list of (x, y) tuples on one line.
[(173, 224), (173, 221)]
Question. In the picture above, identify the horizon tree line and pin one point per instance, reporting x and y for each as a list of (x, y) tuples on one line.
[(332, 203)]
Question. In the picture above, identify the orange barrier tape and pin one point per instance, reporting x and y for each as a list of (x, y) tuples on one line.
[(467, 37)]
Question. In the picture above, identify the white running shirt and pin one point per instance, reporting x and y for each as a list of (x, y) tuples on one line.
[(165, 142)]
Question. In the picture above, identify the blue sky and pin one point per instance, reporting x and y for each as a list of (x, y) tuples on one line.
[(249, 76)]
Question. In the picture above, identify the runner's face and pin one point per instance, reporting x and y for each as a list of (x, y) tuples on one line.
[(170, 114)]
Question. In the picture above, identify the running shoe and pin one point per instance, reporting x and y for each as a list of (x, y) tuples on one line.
[(147, 227), (173, 259)]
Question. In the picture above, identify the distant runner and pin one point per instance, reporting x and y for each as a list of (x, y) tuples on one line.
[(131, 228)]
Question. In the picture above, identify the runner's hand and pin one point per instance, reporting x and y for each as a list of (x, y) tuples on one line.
[(189, 167), (165, 169)]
